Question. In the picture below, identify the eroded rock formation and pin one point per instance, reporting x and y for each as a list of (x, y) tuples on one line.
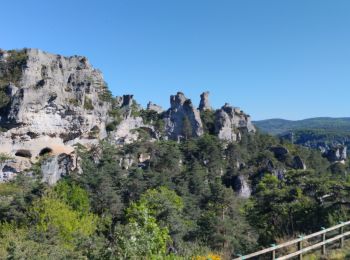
[(229, 121), (182, 120), (204, 103), (52, 102), (49, 103)]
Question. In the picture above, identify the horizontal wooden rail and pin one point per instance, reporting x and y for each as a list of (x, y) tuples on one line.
[(299, 241), (309, 248)]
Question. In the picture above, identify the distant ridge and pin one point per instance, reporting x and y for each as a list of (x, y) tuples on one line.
[(328, 124)]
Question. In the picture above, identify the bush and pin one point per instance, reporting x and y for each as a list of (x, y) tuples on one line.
[(88, 104)]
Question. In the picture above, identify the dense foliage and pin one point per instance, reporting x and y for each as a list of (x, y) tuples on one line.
[(181, 202)]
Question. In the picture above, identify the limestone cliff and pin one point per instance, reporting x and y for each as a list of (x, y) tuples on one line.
[(49, 103)]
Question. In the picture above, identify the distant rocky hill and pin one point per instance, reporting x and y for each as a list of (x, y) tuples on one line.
[(330, 135), (282, 126), (50, 103)]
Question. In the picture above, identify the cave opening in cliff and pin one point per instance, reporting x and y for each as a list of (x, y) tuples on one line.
[(44, 151), (24, 153)]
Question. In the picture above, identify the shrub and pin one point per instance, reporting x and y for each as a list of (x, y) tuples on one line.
[(88, 104)]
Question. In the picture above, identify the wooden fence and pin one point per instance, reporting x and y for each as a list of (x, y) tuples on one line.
[(303, 240)]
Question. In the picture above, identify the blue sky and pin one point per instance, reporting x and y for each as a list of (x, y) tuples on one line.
[(274, 59)]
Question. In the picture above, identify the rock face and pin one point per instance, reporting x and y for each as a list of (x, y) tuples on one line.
[(11, 167), (53, 103), (279, 151), (127, 130), (336, 154), (204, 103), (182, 118), (49, 103), (229, 121), (56, 167), (241, 186), (298, 163), (154, 107)]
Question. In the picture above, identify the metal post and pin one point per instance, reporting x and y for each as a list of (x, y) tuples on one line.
[(300, 247), (273, 253), (342, 238), (323, 240)]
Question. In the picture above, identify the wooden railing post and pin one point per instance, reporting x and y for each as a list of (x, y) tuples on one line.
[(300, 247), (273, 253), (323, 240), (341, 233)]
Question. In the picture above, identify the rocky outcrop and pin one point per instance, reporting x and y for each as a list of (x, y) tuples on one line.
[(128, 130), (279, 151), (182, 118), (53, 102), (298, 163), (49, 103), (10, 167), (336, 154), (204, 103), (229, 121), (154, 107), (131, 123), (241, 186), (55, 167)]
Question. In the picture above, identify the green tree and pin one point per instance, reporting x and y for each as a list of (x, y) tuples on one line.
[(187, 130), (50, 213), (141, 238)]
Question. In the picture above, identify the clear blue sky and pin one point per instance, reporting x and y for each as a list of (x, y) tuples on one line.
[(273, 58)]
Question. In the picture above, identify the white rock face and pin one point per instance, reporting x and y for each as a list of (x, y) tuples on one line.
[(55, 104), (229, 121), (182, 109), (204, 103), (154, 107), (126, 131), (56, 167)]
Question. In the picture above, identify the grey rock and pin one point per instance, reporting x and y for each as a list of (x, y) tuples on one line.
[(279, 151), (154, 107), (230, 121), (204, 103), (55, 167), (182, 109), (56, 100), (336, 153), (270, 167), (298, 163), (55, 103), (241, 186), (10, 168)]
